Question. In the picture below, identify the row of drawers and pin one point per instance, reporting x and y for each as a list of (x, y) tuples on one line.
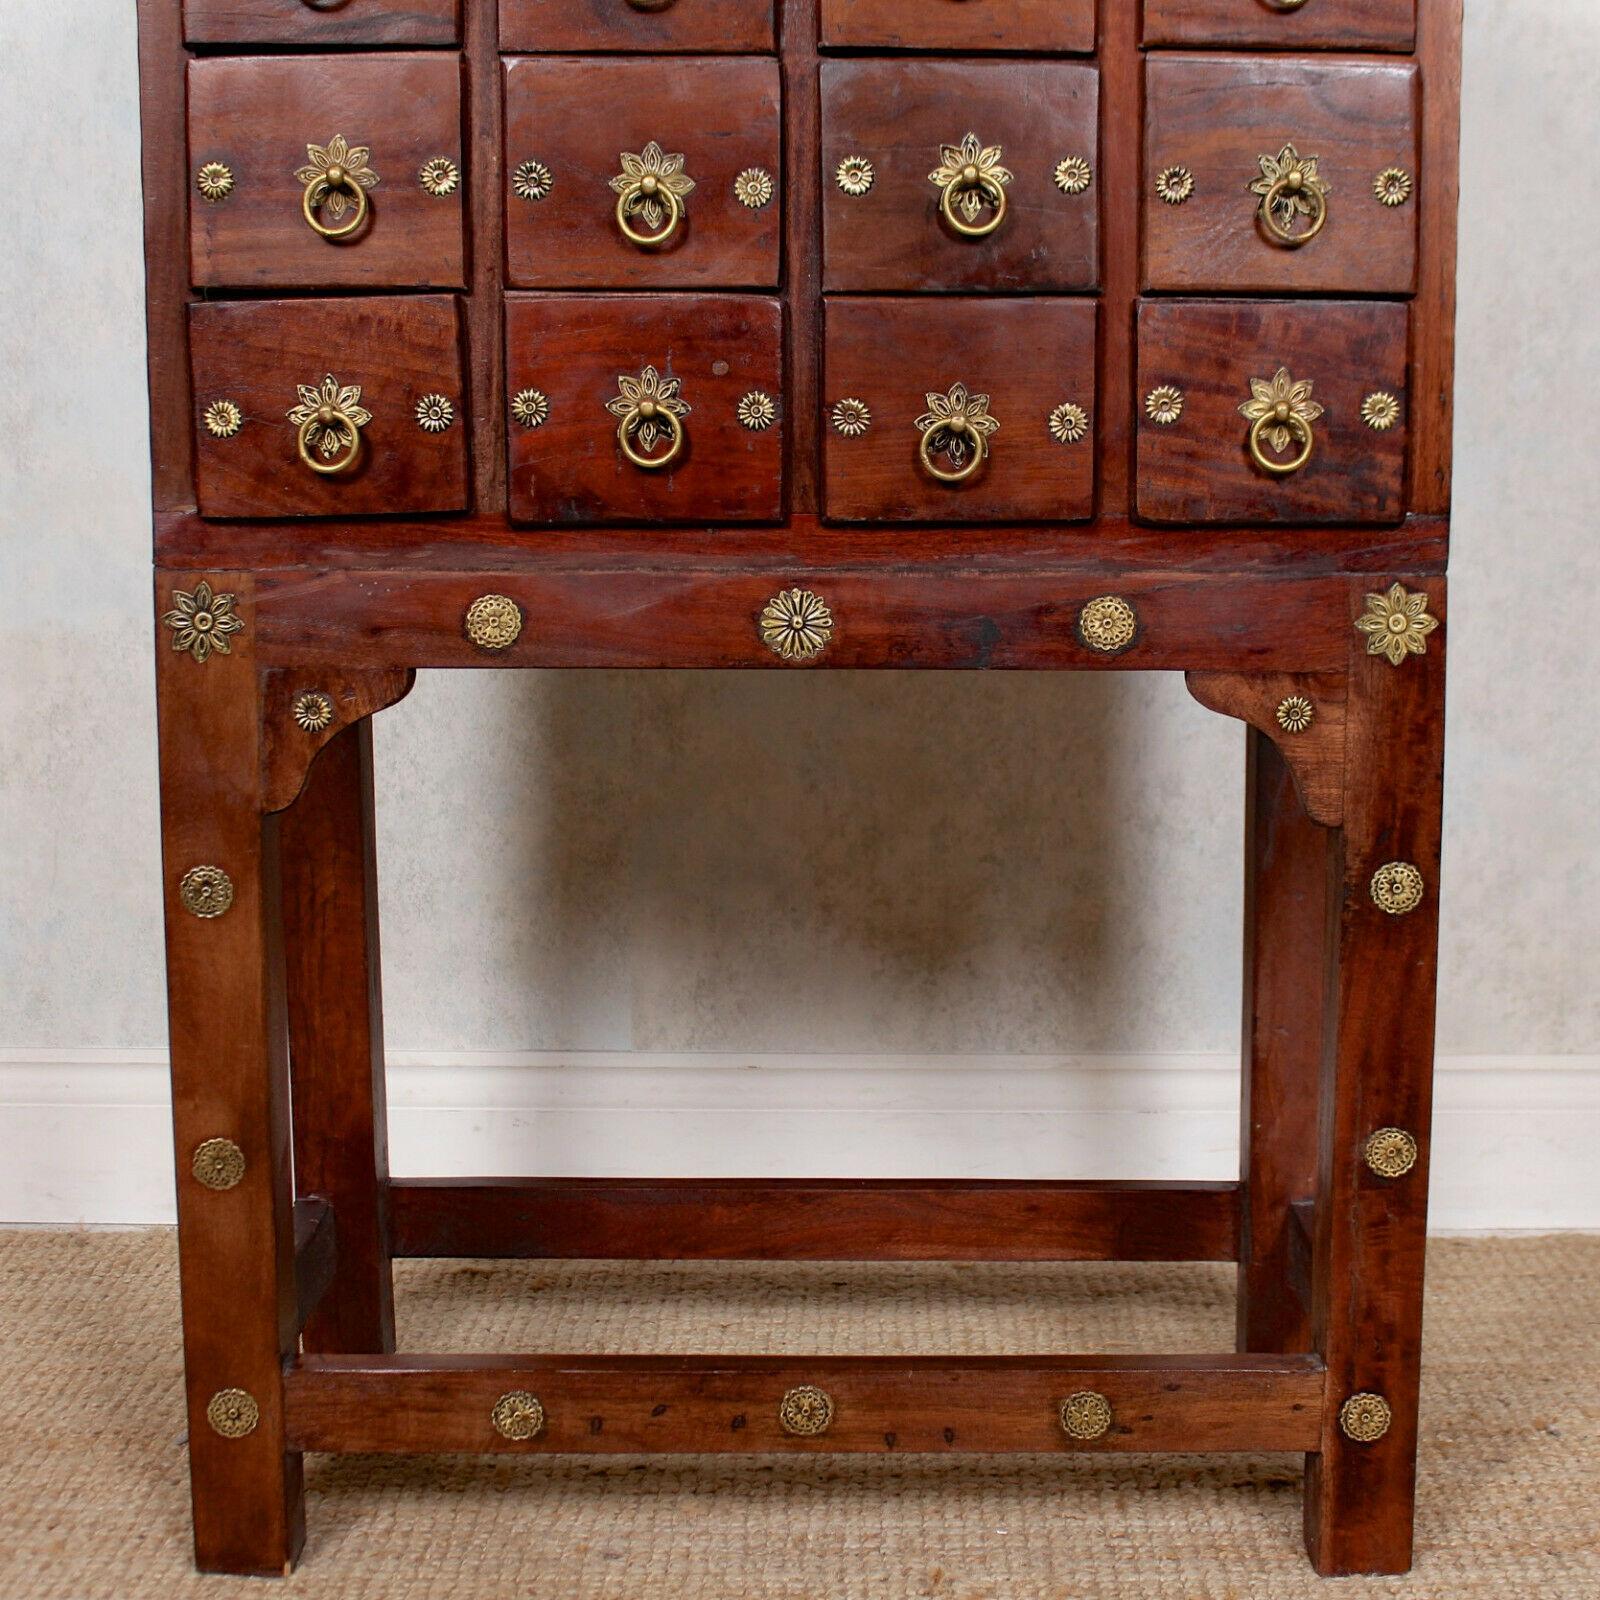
[(749, 25), (1260, 176), (672, 409)]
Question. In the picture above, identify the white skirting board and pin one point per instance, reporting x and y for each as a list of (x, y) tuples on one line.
[(85, 1136)]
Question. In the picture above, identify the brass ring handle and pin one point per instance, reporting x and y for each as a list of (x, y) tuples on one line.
[(647, 188), (1286, 5), (1291, 184), (319, 422), (318, 190), (974, 230), (663, 417), (1296, 424), (967, 469)]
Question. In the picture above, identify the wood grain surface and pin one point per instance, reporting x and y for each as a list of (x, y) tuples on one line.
[(962, 27), (1269, 25), (698, 26), (298, 22)]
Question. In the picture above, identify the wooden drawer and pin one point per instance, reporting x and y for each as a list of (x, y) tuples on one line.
[(891, 366), (960, 25), (1217, 129), (887, 126), (577, 129), (302, 22), (1201, 361), (395, 360), (261, 128), (1274, 25), (661, 27), (711, 368)]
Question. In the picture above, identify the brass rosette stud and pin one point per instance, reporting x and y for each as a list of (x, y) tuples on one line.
[(518, 1415), (1085, 1415), (969, 177), (1397, 624), (202, 621), (796, 624), (1365, 1417), (217, 1164), (1397, 887), (805, 1411), (494, 621), (205, 891), (1390, 1152), (233, 1413), (1108, 624)]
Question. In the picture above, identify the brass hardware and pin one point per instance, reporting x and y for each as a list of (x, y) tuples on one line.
[(532, 180), (223, 419), (1290, 186), (855, 176), (1286, 5), (753, 187), (201, 621), (1108, 624), (205, 891), (654, 5), (796, 624), (233, 1413), (956, 425), (1085, 1415), (1397, 887), (757, 410), (494, 621), (1390, 1152), (1392, 186), (1164, 405), (338, 173), (1073, 175), (214, 181), (312, 711), (969, 174), (1175, 184), (1295, 713), (805, 1411), (330, 420), (530, 408), (518, 1415), (1397, 624), (434, 413), (1380, 411), (649, 407), (1365, 1417), (1068, 423), (218, 1164), (1279, 412), (652, 185), (851, 417), (439, 177)]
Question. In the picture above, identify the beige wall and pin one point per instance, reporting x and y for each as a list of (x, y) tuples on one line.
[(831, 863)]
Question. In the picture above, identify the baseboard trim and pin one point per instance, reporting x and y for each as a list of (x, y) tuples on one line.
[(85, 1135)]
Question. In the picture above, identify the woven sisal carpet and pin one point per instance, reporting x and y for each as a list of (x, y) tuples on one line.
[(93, 1494)]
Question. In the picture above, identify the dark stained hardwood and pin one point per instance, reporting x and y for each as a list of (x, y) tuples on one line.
[(960, 26), (288, 748), (803, 1219), (316, 1249), (576, 116), (899, 114), (696, 26), (257, 115), (1268, 25), (1217, 115), (314, 22)]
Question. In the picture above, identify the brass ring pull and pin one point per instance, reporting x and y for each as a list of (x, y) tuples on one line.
[(968, 469), (958, 424), (968, 174), (647, 411), (984, 185), (336, 171), (326, 418), (1280, 410), (1286, 188), (647, 189), (318, 191), (330, 418), (648, 405), (1290, 185), (1296, 424)]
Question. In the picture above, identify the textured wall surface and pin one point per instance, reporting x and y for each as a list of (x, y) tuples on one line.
[(811, 862)]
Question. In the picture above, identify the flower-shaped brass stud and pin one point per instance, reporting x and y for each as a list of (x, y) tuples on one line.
[(652, 186), (1068, 423), (494, 621), (753, 187), (1380, 411), (851, 417), (1174, 185), (233, 1413), (518, 1415), (855, 176), (336, 181), (1392, 186), (796, 624), (1365, 1417), (1108, 624), (532, 180), (439, 177), (1164, 405), (1281, 411), (1295, 713), (756, 410), (1397, 624), (649, 407), (1390, 1152), (312, 711), (805, 1411), (202, 621), (1290, 186), (330, 418), (1073, 175), (205, 892), (434, 413), (214, 181), (968, 177), (957, 426), (1397, 887), (1085, 1415), (530, 408), (223, 419), (217, 1164)]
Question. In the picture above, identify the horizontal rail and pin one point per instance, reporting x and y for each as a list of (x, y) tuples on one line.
[(679, 1404), (800, 1219)]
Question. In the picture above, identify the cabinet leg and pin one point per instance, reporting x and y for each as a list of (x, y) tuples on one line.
[(1377, 1081), (335, 1010), (230, 1091)]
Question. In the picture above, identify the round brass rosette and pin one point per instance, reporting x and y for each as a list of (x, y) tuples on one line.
[(218, 1164), (1365, 1417), (1295, 713), (518, 1415), (494, 621), (1085, 1415), (205, 891), (1397, 887), (805, 1411), (1390, 1152), (312, 711), (233, 1413), (1108, 625)]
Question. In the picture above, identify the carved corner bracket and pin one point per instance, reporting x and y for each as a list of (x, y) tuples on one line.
[(301, 711), (1304, 716)]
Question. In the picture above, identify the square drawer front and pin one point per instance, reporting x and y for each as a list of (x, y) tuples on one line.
[(960, 25), (329, 408), (1276, 25), (264, 134), (645, 408), (1325, 387), (944, 175), (1018, 375), (1265, 175), (659, 26), (307, 22), (684, 155)]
